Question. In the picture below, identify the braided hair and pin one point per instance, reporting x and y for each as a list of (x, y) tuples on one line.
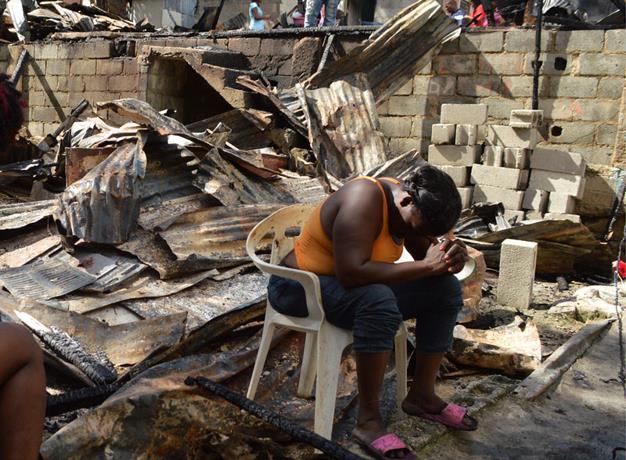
[(435, 194), (11, 116)]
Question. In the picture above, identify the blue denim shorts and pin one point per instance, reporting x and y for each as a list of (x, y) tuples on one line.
[(373, 312)]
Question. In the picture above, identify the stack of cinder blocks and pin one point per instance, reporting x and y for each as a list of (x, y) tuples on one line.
[(457, 144), (504, 174), (557, 180)]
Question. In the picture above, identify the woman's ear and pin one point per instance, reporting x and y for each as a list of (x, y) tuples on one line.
[(406, 200)]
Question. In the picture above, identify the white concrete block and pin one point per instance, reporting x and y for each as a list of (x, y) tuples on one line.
[(466, 196), (454, 155), (524, 118), (553, 216), (516, 158), (459, 174), (551, 181), (466, 135), (493, 155), (561, 203), (534, 215), (494, 176), (535, 200), (443, 133), (558, 161), (518, 261), (464, 114), (512, 137), (510, 199), (513, 213)]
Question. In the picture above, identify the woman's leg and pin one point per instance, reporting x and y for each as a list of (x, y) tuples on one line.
[(330, 18), (22, 394), (435, 303)]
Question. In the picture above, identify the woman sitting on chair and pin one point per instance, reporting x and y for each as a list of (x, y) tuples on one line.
[(351, 241)]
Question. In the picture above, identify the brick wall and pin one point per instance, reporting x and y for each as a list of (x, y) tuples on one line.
[(580, 89), (581, 85)]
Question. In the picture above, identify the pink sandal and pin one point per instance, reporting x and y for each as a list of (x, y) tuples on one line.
[(380, 447), (451, 416)]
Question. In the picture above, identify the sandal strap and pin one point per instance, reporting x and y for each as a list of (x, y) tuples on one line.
[(387, 443), (454, 413)]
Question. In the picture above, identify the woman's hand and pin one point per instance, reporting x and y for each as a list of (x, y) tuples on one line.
[(455, 254), (436, 259)]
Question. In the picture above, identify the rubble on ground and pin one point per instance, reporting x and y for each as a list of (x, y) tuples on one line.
[(138, 255)]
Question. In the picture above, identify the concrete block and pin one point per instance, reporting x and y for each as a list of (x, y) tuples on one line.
[(481, 42), (83, 67), (109, 67), (616, 40), (518, 261), (602, 64), (479, 85), (493, 155), (466, 196), (535, 200), (464, 114), (561, 203), (610, 88), (466, 135), (453, 155), (512, 213), (524, 40), (510, 199), (426, 85), (526, 118), (553, 216), (584, 87), (596, 110), (534, 215), (459, 174), (606, 134), (443, 133), (500, 64), (515, 158), (558, 161), (551, 181), (580, 40), (456, 64), (408, 105), (500, 107), (515, 179), (572, 133), (396, 126), (507, 136)]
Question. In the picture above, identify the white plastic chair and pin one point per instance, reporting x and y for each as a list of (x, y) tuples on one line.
[(324, 342)]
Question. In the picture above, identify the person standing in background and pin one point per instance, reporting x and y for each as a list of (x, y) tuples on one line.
[(313, 9), (256, 16), (451, 7)]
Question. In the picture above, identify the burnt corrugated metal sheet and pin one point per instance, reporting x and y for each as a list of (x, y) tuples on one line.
[(44, 279), (225, 182), (22, 214), (217, 234), (103, 206), (395, 52), (344, 127), (401, 167)]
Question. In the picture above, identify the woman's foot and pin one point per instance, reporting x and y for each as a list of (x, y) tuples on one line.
[(365, 433), (434, 408)]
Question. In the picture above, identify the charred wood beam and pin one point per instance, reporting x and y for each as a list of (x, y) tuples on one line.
[(333, 450), (79, 399)]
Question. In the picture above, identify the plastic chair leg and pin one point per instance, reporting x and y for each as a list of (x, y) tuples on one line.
[(264, 347), (330, 345), (309, 366), (401, 365)]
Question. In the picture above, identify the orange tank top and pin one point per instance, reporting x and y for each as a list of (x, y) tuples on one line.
[(314, 249)]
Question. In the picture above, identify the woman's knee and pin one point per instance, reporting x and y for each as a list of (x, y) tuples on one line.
[(20, 341), (377, 319)]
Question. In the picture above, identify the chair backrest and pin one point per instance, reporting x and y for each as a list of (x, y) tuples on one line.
[(280, 226)]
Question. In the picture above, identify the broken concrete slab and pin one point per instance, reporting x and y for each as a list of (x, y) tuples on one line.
[(513, 349), (551, 181), (464, 114), (507, 136), (558, 161), (548, 373)]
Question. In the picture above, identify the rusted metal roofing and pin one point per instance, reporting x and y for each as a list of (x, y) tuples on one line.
[(217, 234), (395, 52), (103, 206), (22, 214), (344, 127)]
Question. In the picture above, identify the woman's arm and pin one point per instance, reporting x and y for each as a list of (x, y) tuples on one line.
[(356, 227)]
